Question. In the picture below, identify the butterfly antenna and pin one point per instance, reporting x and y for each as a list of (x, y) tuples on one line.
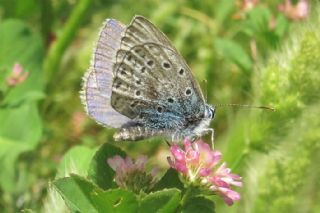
[(245, 106), (205, 88)]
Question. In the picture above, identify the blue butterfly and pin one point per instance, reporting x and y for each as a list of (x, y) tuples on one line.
[(139, 83)]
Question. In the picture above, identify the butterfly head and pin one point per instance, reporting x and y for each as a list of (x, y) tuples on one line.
[(203, 126), (209, 112)]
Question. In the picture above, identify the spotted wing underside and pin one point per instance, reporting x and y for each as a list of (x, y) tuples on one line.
[(152, 82)]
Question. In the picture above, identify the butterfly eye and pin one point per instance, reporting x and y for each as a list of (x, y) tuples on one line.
[(143, 69), (211, 112)]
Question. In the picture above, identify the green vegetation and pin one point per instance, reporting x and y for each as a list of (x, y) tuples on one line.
[(258, 56)]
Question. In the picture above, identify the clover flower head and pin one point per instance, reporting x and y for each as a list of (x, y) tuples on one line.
[(299, 11), (198, 164), (131, 174)]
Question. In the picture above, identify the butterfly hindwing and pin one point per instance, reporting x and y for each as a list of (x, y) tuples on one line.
[(97, 85)]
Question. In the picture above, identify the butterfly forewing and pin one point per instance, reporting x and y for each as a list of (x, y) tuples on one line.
[(152, 81), (141, 31)]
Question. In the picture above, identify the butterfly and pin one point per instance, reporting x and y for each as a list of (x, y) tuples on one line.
[(140, 84)]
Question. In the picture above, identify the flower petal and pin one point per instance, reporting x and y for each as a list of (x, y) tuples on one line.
[(181, 167), (204, 172), (192, 157), (177, 153), (208, 157), (115, 162), (229, 195), (141, 161), (218, 181)]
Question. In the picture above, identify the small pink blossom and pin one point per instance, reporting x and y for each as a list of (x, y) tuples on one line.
[(249, 4), (244, 7), (295, 12), (131, 174), (17, 76), (198, 163)]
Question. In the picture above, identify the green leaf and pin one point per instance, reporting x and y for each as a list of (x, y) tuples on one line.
[(257, 21), (20, 122), (120, 200), (19, 44), (257, 26), (100, 172), (169, 180), (76, 160), (164, 201), (83, 196), (234, 52), (19, 8), (9, 151), (20, 131), (282, 25), (199, 205), (223, 10), (28, 97), (78, 193)]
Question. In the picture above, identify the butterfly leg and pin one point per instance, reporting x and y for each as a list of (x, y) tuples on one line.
[(168, 143), (211, 130), (176, 137), (172, 137)]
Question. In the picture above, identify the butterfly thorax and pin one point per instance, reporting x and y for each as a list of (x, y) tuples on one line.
[(194, 128), (202, 127)]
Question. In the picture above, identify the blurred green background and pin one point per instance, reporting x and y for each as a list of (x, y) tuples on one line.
[(245, 52)]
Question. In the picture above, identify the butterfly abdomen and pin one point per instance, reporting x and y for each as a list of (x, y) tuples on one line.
[(135, 133)]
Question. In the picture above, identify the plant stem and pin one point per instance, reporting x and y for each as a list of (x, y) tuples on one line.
[(186, 196), (190, 191), (53, 59), (46, 20)]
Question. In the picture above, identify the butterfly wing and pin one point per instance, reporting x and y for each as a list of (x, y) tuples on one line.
[(97, 85), (152, 82)]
